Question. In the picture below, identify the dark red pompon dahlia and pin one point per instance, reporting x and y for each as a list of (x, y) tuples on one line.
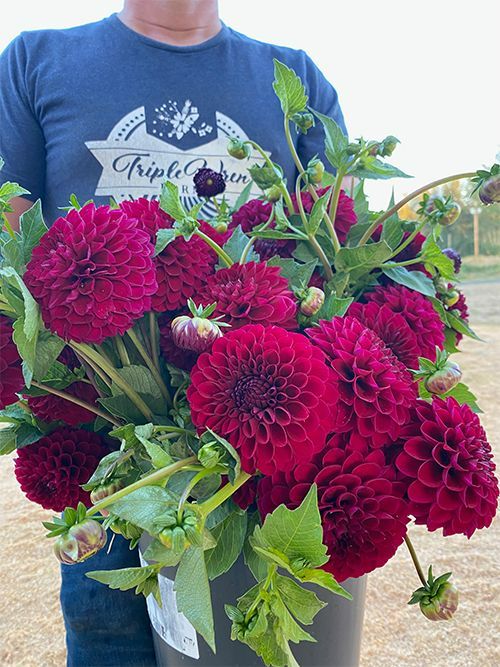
[(269, 392), (11, 374), (418, 311), (374, 391), (363, 515), (51, 470), (251, 293), (345, 217), (392, 328), (254, 213), (51, 408), (209, 183), (447, 462), (149, 214), (92, 274)]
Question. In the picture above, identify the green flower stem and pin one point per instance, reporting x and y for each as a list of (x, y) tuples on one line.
[(115, 377), (95, 369), (251, 241), (415, 560), (394, 209), (223, 494), (291, 145), (153, 340), (173, 429), (332, 208), (392, 265), (410, 238), (8, 227), (153, 478), (323, 258), (267, 584), (122, 351), (76, 401), (284, 191), (216, 204), (204, 472), (149, 363), (215, 246)]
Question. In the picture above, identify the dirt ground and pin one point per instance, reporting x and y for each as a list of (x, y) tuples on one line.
[(31, 629)]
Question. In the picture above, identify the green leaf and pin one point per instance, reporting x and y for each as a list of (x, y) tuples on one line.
[(450, 341), (27, 434), (332, 307), (297, 533), (433, 255), (158, 552), (303, 604), (392, 232), (164, 237), (256, 564), (159, 457), (122, 406), (361, 206), (460, 392), (220, 513), (325, 580), (143, 506), (243, 196), (366, 256), (375, 169), (105, 467), (289, 629), (298, 275), (142, 380), (415, 280), (32, 228), (48, 348), (7, 439), (265, 176), (123, 579), (9, 190), (461, 326), (235, 245), (317, 213), (170, 201), (234, 460), (289, 89), (335, 141), (11, 254), (193, 593), (230, 535)]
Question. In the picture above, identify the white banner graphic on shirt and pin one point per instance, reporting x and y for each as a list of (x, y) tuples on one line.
[(135, 162)]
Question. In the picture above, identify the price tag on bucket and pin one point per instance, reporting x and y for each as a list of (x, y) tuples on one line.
[(172, 626)]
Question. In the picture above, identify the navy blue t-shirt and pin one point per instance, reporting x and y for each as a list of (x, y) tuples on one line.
[(102, 111)]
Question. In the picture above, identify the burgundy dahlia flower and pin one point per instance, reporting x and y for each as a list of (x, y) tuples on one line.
[(250, 293), (11, 374), (255, 212), (374, 391), (392, 328), (149, 214), (345, 217), (208, 183), (92, 274), (51, 470), (418, 311), (269, 392), (363, 515), (447, 462), (51, 408), (172, 353)]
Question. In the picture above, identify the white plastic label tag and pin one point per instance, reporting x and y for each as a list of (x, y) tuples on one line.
[(172, 626)]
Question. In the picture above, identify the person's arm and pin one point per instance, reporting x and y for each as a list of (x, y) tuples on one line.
[(22, 143), (19, 206)]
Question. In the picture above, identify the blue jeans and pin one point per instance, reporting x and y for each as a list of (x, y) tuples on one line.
[(105, 628)]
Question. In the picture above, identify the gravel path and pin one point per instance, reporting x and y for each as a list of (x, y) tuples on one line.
[(395, 635)]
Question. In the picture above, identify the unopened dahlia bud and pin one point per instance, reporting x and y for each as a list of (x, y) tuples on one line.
[(273, 194), (220, 226), (315, 171), (451, 215), (489, 192), (238, 149), (388, 146), (455, 257), (438, 598), (374, 148), (194, 333), (352, 148), (104, 490), (80, 542), (210, 454), (208, 183), (451, 297), (303, 120), (444, 379), (441, 606), (128, 530), (313, 300)]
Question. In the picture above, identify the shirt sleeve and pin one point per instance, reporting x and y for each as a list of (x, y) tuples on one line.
[(323, 98), (22, 143)]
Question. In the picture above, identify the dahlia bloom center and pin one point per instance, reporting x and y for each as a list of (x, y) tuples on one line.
[(254, 393)]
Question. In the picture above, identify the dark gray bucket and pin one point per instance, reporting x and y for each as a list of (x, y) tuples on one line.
[(337, 627)]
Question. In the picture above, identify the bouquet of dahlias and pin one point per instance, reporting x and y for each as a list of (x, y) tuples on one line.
[(275, 380)]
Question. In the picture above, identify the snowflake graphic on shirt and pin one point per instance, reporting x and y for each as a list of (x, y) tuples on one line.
[(173, 121)]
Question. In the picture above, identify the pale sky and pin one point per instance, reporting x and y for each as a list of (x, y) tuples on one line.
[(424, 71)]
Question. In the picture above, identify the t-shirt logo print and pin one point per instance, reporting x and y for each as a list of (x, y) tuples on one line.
[(181, 122), (142, 151)]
